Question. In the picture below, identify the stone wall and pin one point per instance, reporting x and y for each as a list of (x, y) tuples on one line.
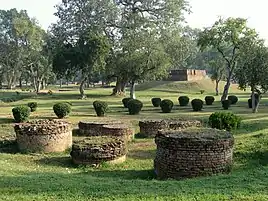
[(98, 149), (187, 75), (118, 131), (44, 136), (193, 152), (149, 128)]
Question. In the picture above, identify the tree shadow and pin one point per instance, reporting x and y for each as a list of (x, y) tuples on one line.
[(254, 158), (8, 145), (142, 154), (59, 161)]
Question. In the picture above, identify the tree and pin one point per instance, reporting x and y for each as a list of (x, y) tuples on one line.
[(227, 36), (87, 53), (216, 67), (253, 69)]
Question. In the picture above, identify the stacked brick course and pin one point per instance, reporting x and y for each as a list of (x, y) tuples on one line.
[(95, 150), (150, 128), (44, 136), (193, 152)]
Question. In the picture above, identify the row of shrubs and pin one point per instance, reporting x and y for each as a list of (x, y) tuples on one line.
[(22, 113)]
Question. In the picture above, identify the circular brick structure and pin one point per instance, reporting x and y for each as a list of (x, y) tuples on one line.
[(150, 128), (118, 131), (183, 124), (44, 136), (193, 152), (98, 149), (94, 128)]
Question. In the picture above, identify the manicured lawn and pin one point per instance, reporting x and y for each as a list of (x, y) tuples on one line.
[(53, 177)]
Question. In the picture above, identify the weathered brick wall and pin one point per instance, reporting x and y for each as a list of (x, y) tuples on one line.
[(105, 128), (118, 131), (149, 128), (44, 136), (191, 153), (95, 150)]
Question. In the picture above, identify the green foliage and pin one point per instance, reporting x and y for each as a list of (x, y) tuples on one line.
[(134, 106), (21, 113), (226, 104), (166, 105), (197, 104), (209, 100), (156, 102), (233, 99), (183, 100), (62, 109), (100, 107), (125, 101), (32, 106), (224, 121)]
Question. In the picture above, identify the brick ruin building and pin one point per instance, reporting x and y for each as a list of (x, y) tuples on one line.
[(187, 75)]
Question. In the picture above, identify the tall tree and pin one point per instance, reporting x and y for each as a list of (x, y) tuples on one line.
[(227, 36), (253, 69)]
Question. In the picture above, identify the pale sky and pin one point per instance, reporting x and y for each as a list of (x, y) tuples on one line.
[(204, 12)]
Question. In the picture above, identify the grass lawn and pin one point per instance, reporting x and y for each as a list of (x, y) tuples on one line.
[(51, 177)]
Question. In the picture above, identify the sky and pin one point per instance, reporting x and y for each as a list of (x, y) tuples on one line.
[(204, 12)]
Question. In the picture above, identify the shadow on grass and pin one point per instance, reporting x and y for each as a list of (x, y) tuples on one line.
[(135, 184), (59, 161), (142, 154), (6, 120), (253, 158), (8, 145)]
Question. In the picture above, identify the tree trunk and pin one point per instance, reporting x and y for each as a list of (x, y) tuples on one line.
[(43, 84), (132, 90), (217, 87), (227, 85), (82, 88), (60, 83), (38, 86), (20, 82), (120, 87)]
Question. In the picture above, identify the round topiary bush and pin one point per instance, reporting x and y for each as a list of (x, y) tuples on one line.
[(32, 106), (197, 105), (183, 100), (224, 120), (62, 109), (21, 113), (166, 105), (226, 104), (125, 101), (156, 102), (134, 106), (209, 100), (100, 107), (233, 99)]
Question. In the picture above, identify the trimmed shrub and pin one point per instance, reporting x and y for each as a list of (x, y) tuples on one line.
[(166, 105), (21, 113), (226, 104), (134, 106), (62, 110), (183, 100), (202, 91), (100, 108), (125, 101), (156, 102), (233, 99), (197, 104), (32, 106), (209, 100), (224, 120)]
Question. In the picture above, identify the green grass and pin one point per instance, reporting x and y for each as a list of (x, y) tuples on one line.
[(52, 177)]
